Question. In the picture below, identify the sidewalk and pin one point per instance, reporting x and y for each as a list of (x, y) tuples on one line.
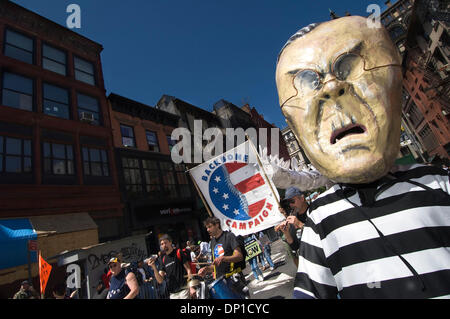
[(278, 283)]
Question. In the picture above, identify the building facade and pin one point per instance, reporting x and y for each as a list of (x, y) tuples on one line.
[(294, 148), (158, 195), (426, 81), (56, 148)]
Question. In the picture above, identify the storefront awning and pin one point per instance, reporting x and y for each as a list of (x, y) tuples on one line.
[(14, 236), (60, 224)]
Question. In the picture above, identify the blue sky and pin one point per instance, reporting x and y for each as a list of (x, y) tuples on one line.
[(200, 51)]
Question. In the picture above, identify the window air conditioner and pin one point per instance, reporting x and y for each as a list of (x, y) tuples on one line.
[(87, 117)]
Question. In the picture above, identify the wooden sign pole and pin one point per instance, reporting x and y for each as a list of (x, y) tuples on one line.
[(201, 195)]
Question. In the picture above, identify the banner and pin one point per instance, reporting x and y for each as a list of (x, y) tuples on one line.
[(44, 273), (236, 190)]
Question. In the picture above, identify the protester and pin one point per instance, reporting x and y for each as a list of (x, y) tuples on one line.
[(253, 261), (205, 252), (140, 268), (292, 227), (26, 291), (381, 231), (265, 243), (174, 264), (100, 291), (123, 283), (228, 259), (106, 277), (59, 291)]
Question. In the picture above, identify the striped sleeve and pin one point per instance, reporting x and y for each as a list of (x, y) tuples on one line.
[(314, 278)]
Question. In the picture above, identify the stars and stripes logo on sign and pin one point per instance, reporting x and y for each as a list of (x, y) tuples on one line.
[(236, 189), (237, 192)]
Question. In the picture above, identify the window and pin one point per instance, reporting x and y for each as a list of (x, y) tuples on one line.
[(84, 71), (183, 181), (169, 182), (396, 32), (132, 175), (172, 142), (53, 59), (58, 159), (152, 141), (15, 155), (414, 114), (19, 46), (56, 101), (88, 105), (429, 139), (127, 136), (17, 91), (95, 162), (152, 180)]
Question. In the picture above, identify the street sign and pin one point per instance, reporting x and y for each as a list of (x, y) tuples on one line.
[(32, 245)]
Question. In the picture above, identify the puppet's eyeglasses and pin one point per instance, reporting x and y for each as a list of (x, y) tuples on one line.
[(346, 67)]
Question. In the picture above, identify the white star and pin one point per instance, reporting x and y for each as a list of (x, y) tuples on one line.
[(225, 206), (217, 179), (225, 196), (236, 212), (215, 190)]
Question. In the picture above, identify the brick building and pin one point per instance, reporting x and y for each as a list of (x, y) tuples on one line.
[(57, 166), (426, 81), (158, 195)]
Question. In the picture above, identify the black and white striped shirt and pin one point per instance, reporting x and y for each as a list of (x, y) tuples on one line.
[(395, 244)]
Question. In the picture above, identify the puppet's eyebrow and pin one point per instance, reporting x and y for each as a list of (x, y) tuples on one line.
[(356, 48)]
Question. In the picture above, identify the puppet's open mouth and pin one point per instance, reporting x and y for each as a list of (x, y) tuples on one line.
[(346, 131)]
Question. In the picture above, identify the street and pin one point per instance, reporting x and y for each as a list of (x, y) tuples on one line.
[(278, 283)]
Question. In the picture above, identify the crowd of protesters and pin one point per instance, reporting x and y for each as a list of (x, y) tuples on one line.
[(166, 275)]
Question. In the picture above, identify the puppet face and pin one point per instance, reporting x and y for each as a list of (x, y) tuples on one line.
[(340, 90)]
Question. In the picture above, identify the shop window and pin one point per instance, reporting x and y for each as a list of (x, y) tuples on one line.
[(19, 46), (84, 71), (132, 175), (56, 101), (15, 155), (152, 141), (169, 181), (183, 181), (17, 91), (88, 109), (127, 136), (58, 159), (152, 179), (95, 162), (54, 59)]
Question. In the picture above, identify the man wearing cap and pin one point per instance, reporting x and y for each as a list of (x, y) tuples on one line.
[(26, 291), (123, 283), (293, 225)]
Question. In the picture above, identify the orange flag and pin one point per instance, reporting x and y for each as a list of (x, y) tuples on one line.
[(44, 273)]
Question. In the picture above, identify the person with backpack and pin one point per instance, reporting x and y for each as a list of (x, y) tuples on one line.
[(175, 269), (228, 255)]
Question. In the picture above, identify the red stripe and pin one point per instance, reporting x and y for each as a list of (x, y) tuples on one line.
[(231, 167), (255, 208), (250, 183)]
